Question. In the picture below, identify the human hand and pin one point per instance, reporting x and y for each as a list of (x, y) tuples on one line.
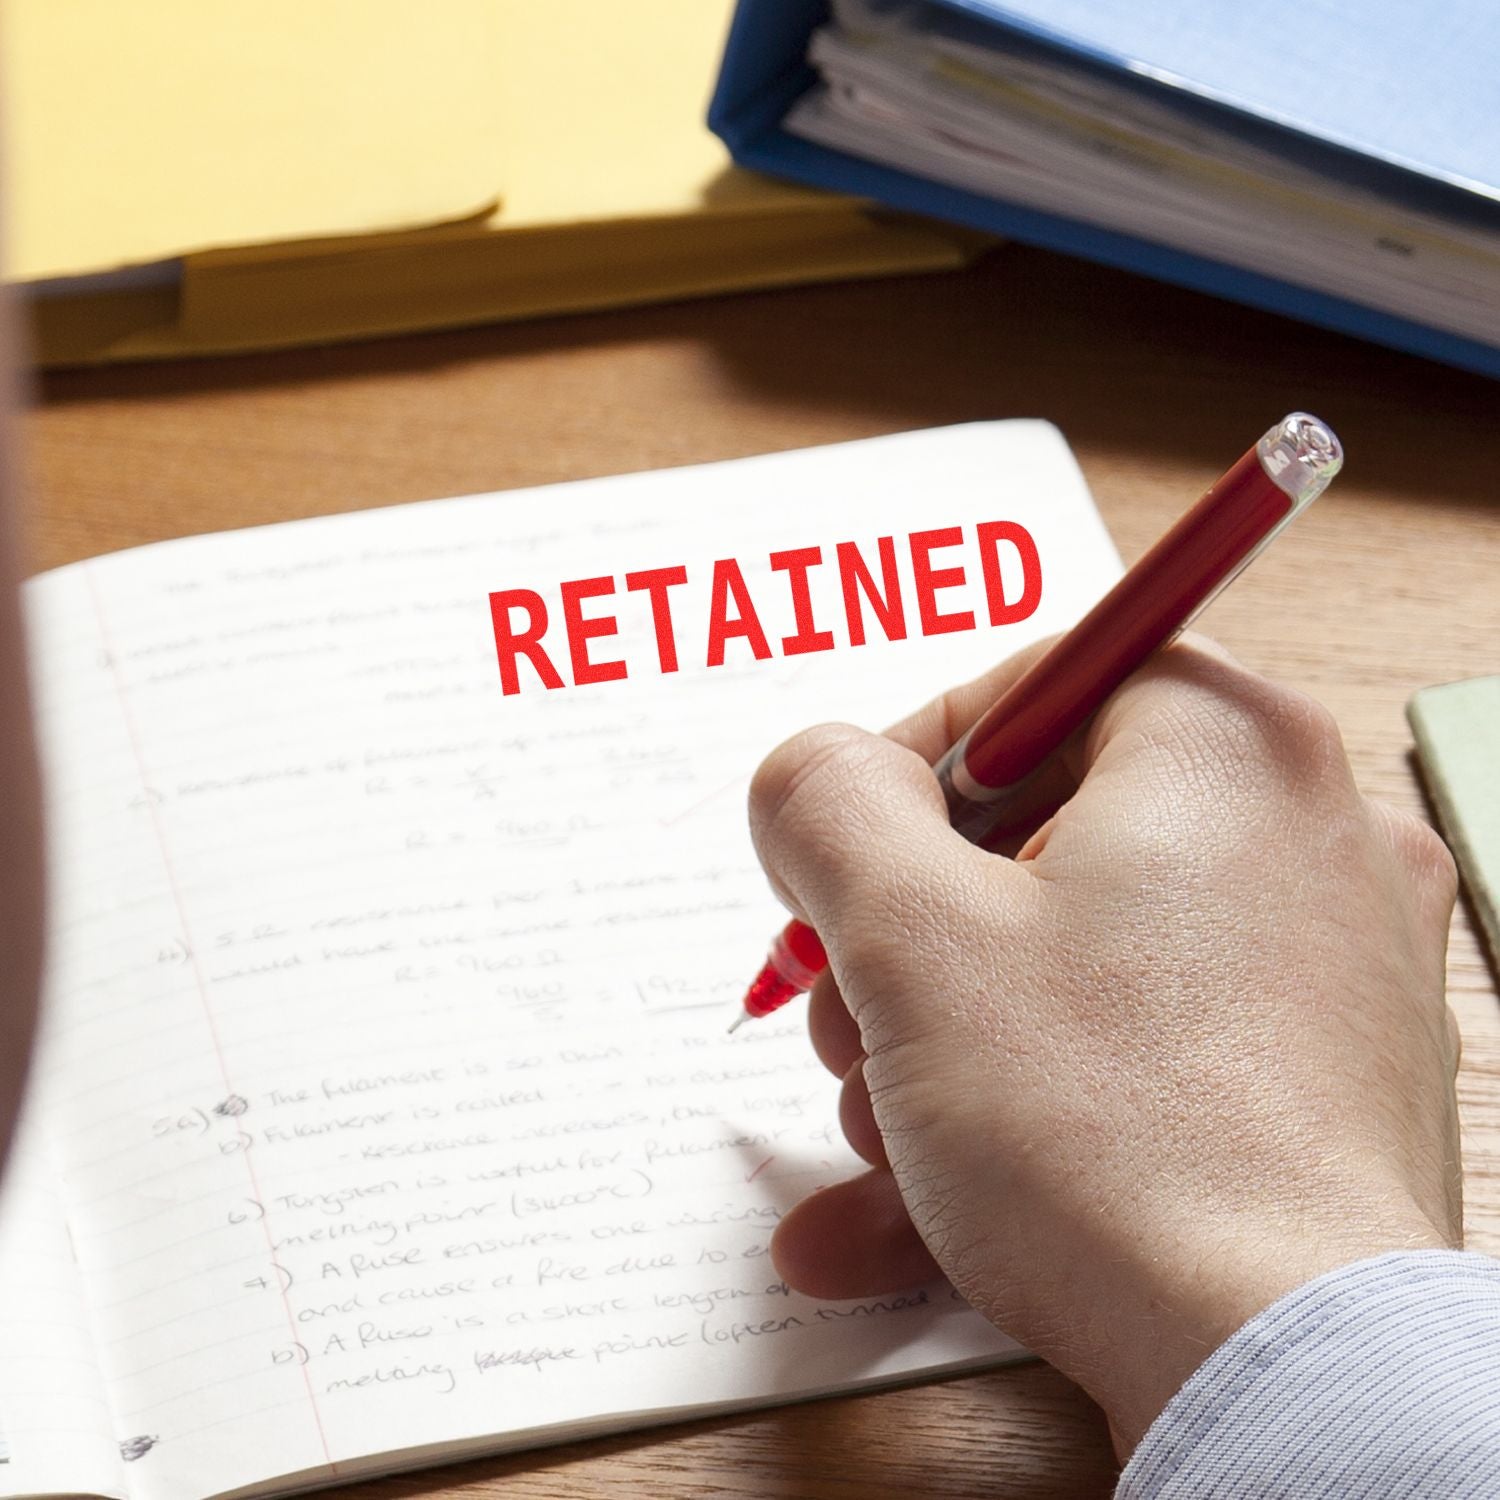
[(1186, 1051)]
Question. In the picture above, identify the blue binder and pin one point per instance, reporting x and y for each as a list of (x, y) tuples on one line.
[(1334, 109)]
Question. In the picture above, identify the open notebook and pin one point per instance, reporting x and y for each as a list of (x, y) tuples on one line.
[(385, 1112)]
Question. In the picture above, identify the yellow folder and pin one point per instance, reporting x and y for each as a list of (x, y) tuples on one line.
[(202, 176)]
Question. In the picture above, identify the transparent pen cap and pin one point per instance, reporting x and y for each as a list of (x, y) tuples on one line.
[(1300, 455)]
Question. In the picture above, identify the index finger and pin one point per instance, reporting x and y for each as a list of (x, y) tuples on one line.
[(938, 723)]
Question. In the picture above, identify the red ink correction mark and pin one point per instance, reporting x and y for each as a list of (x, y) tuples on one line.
[(761, 1168)]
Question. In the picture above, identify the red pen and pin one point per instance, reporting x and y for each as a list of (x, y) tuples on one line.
[(989, 778)]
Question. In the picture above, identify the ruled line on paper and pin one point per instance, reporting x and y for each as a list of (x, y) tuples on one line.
[(499, 1174), (133, 735)]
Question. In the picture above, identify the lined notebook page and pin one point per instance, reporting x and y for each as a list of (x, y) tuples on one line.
[(56, 1430), (388, 1067)]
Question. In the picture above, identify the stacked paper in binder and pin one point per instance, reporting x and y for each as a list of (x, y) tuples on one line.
[(1340, 162), (191, 177)]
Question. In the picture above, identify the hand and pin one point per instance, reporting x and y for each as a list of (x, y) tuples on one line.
[(1187, 1050)]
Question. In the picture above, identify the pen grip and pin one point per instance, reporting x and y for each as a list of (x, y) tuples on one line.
[(986, 816)]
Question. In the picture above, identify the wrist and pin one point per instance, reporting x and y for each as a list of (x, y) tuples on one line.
[(1181, 1313)]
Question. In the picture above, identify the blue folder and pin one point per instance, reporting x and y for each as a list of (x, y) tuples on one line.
[(1378, 92)]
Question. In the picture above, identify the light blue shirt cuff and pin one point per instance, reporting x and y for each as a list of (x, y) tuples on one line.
[(1380, 1379)]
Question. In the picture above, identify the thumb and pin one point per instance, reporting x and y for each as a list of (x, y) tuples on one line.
[(853, 832)]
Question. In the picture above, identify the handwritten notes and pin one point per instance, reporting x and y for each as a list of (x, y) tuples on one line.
[(386, 1073)]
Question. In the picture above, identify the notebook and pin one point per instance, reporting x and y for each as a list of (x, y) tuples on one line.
[(385, 1112), (1338, 164), (1457, 728)]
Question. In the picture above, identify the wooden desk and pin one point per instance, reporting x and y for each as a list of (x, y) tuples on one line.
[(1392, 581)]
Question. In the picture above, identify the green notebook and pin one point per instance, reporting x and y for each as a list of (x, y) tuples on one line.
[(1457, 727)]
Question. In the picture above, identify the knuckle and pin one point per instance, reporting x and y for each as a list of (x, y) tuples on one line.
[(1423, 852), (801, 768), (1289, 724), (1287, 732), (1307, 725), (1453, 1035), (1213, 716), (1194, 644)]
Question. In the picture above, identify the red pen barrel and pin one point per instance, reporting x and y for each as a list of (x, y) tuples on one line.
[(1004, 773), (1139, 615)]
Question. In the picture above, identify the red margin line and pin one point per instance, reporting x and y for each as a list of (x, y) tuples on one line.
[(208, 1013)]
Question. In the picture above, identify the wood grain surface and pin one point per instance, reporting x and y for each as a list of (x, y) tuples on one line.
[(1390, 582)]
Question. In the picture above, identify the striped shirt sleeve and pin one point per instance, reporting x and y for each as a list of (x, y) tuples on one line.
[(1377, 1381)]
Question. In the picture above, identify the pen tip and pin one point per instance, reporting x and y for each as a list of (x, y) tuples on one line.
[(738, 1021)]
